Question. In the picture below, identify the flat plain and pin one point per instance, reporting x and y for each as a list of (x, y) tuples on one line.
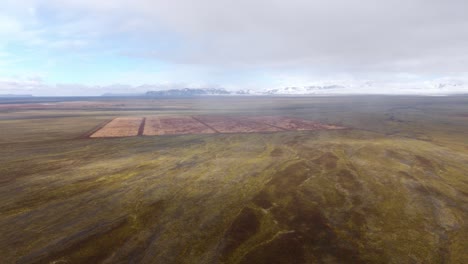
[(390, 188)]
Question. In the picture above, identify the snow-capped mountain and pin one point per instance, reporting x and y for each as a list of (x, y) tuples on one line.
[(188, 92), (371, 88), (430, 88), (306, 90)]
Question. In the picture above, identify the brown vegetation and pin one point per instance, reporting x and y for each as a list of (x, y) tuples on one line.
[(174, 125), (287, 123), (225, 124), (179, 125), (120, 127)]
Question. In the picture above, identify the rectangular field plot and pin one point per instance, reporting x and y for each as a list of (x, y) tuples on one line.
[(180, 125), (174, 125), (223, 124), (287, 123), (120, 127)]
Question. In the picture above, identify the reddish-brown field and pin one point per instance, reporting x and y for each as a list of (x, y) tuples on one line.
[(178, 125), (120, 127), (174, 125), (225, 124), (287, 123)]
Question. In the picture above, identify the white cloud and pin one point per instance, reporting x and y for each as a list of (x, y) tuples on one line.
[(288, 42), (8, 25), (365, 35)]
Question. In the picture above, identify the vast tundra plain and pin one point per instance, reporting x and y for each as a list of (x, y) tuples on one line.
[(345, 179)]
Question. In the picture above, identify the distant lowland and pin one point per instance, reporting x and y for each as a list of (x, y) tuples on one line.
[(15, 95)]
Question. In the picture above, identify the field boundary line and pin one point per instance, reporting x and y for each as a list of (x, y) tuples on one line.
[(141, 129), (282, 128), (96, 129), (210, 127)]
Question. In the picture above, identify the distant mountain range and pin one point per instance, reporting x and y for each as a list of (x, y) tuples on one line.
[(306, 90), (434, 88), (187, 92)]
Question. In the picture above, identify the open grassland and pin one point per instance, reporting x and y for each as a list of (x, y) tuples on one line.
[(392, 189)]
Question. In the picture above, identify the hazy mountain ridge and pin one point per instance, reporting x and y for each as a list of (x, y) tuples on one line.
[(334, 89), (189, 92)]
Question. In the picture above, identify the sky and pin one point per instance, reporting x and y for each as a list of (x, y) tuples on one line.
[(89, 47)]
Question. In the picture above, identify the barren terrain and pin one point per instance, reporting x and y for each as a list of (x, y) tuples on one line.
[(392, 189)]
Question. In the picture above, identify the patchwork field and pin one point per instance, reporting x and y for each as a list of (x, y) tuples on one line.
[(182, 125), (286, 123), (174, 126), (235, 125), (391, 189)]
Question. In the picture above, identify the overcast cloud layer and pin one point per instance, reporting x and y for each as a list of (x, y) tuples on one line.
[(78, 47)]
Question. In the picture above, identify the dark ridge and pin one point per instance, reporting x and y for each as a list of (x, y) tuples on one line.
[(103, 241), (285, 248), (328, 160), (348, 181), (142, 127), (424, 162), (95, 129), (262, 199), (277, 152), (244, 226), (287, 180), (73, 242), (313, 231), (307, 235)]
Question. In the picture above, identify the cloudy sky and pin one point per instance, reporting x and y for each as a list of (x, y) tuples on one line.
[(87, 47)]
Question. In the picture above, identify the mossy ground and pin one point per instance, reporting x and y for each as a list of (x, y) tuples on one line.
[(392, 189)]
